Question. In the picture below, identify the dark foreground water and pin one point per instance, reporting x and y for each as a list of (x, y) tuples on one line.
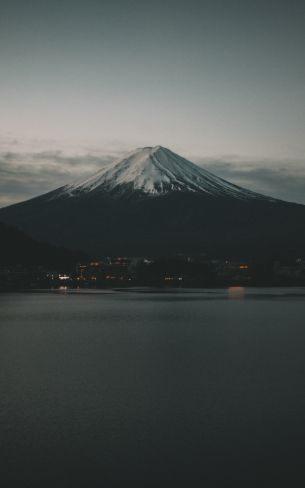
[(194, 388)]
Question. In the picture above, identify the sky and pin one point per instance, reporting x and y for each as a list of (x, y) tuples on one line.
[(221, 82)]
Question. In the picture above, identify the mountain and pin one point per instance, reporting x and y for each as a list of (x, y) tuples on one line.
[(18, 248), (155, 202), (155, 171)]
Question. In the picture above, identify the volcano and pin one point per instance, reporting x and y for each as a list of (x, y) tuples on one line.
[(155, 202)]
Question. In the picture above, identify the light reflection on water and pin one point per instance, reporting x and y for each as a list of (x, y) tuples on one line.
[(236, 292)]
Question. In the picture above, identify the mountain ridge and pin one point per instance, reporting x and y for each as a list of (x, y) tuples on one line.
[(16, 247)]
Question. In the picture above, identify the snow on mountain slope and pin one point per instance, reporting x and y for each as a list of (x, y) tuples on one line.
[(156, 171)]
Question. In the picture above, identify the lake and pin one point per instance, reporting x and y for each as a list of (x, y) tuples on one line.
[(152, 388)]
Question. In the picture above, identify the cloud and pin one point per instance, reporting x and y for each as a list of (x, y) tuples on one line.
[(24, 175), (284, 179), (30, 170)]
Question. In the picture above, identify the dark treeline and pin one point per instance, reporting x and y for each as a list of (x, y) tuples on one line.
[(26, 263), (212, 272)]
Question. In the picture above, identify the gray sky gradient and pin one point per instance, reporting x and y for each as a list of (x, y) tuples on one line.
[(219, 80)]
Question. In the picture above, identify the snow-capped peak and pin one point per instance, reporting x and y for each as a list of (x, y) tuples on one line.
[(156, 171)]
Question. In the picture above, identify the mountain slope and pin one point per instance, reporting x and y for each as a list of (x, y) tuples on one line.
[(156, 171), (155, 202), (18, 248)]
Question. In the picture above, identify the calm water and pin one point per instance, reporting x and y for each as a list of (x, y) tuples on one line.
[(194, 388)]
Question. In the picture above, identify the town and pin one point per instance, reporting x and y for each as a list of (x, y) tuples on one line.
[(175, 271)]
